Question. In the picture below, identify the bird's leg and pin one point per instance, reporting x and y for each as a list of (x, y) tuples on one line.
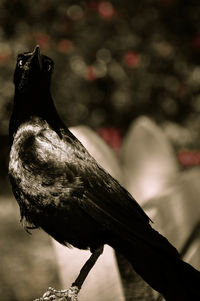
[(87, 267), (71, 294)]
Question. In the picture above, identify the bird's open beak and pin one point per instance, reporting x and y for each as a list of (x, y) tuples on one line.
[(36, 56)]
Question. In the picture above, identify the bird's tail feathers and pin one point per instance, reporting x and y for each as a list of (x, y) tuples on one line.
[(162, 270)]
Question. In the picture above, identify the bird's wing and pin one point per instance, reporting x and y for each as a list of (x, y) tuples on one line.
[(114, 208)]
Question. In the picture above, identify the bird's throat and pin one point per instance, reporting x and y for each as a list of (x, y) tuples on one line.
[(28, 105)]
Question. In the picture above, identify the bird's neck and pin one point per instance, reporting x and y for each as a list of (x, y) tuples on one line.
[(31, 105)]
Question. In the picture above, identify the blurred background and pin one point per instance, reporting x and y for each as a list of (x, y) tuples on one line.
[(115, 62)]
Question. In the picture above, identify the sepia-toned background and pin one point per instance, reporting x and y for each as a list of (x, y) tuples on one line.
[(130, 72)]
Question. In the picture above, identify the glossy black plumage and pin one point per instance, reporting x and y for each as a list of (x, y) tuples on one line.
[(61, 189)]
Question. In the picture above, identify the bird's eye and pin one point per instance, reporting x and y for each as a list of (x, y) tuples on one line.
[(49, 67), (20, 63)]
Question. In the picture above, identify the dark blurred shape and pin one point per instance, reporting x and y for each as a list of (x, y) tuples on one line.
[(122, 58)]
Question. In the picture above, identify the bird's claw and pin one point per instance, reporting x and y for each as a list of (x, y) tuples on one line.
[(70, 294)]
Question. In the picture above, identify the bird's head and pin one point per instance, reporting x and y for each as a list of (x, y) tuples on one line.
[(33, 72)]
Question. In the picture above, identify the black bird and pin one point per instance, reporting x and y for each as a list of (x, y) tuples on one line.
[(61, 188)]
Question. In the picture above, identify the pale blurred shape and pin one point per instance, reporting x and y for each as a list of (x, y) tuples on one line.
[(149, 163), (176, 211), (120, 98), (104, 55), (163, 48), (195, 77), (78, 65), (100, 68), (5, 49), (116, 71), (75, 12), (192, 256), (96, 146), (103, 282), (178, 134)]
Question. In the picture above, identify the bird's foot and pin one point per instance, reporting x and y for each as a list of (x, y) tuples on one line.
[(70, 294)]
